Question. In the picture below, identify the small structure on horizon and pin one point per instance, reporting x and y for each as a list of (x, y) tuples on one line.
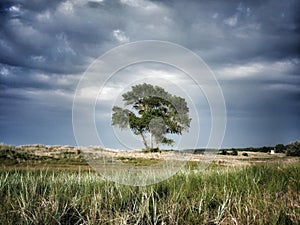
[(272, 151)]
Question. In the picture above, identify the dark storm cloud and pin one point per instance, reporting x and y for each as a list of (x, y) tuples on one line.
[(241, 32), (253, 46), (238, 32), (19, 78), (52, 36), (60, 36)]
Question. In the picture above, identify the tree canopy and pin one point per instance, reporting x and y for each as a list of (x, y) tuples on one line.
[(153, 111)]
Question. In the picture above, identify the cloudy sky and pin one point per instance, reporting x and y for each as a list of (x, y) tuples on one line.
[(251, 46)]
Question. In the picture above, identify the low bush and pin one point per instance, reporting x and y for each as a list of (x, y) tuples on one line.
[(234, 152), (293, 149), (223, 152)]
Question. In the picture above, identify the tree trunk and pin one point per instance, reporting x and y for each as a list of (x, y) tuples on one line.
[(144, 140), (151, 141)]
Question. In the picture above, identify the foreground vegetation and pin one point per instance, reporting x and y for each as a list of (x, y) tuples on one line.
[(259, 194)]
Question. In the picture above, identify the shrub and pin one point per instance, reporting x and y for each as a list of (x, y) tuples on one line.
[(234, 152), (293, 149), (154, 150), (245, 154), (280, 148), (223, 152)]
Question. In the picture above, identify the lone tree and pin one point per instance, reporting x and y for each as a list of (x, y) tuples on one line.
[(153, 111)]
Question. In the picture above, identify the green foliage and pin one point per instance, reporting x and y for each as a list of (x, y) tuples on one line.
[(138, 161), (155, 150), (223, 152), (280, 148), (234, 152), (264, 149), (153, 111), (11, 155), (245, 154), (293, 149), (120, 117)]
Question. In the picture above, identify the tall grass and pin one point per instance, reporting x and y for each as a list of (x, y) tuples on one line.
[(265, 194)]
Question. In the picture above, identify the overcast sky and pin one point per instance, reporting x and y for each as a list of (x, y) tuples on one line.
[(251, 46)]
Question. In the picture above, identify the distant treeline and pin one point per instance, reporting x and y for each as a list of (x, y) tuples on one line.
[(292, 149), (278, 149), (265, 149)]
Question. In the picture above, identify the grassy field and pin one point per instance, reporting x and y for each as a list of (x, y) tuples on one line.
[(262, 194), (65, 190)]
